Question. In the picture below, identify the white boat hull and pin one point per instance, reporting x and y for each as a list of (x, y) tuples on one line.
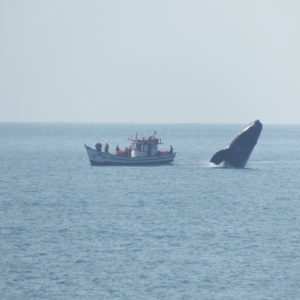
[(98, 158)]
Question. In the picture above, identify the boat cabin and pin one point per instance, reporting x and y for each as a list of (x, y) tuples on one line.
[(142, 147)]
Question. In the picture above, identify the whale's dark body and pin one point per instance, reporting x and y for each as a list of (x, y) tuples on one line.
[(239, 150)]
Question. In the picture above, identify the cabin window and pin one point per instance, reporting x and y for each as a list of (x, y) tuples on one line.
[(138, 147)]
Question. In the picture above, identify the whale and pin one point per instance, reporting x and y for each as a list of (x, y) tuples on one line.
[(237, 153)]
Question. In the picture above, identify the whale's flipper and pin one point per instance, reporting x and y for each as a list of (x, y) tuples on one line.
[(220, 156)]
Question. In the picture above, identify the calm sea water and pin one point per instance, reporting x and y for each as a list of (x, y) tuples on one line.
[(180, 231)]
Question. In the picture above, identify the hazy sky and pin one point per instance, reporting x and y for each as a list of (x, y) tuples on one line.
[(130, 61)]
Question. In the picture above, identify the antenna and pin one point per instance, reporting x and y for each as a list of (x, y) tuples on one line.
[(131, 123)]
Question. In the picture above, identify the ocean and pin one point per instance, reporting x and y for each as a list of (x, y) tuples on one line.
[(181, 231)]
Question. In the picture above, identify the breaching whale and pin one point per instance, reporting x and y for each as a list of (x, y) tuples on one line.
[(237, 153)]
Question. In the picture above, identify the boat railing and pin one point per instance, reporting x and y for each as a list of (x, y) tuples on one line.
[(146, 140)]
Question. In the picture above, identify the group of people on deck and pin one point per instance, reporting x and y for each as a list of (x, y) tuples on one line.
[(125, 152), (98, 147)]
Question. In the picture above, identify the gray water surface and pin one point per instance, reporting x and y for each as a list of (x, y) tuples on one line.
[(180, 231)]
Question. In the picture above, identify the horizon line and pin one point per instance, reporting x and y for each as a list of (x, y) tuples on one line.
[(139, 123)]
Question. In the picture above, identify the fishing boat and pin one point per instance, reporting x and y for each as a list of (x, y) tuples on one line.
[(143, 151)]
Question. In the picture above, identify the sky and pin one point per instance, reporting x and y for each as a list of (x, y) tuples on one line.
[(158, 61)]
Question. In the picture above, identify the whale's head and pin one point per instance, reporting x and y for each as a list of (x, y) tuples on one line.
[(250, 134)]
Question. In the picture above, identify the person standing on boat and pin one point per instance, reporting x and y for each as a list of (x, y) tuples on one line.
[(106, 148), (98, 147), (171, 149), (117, 150)]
